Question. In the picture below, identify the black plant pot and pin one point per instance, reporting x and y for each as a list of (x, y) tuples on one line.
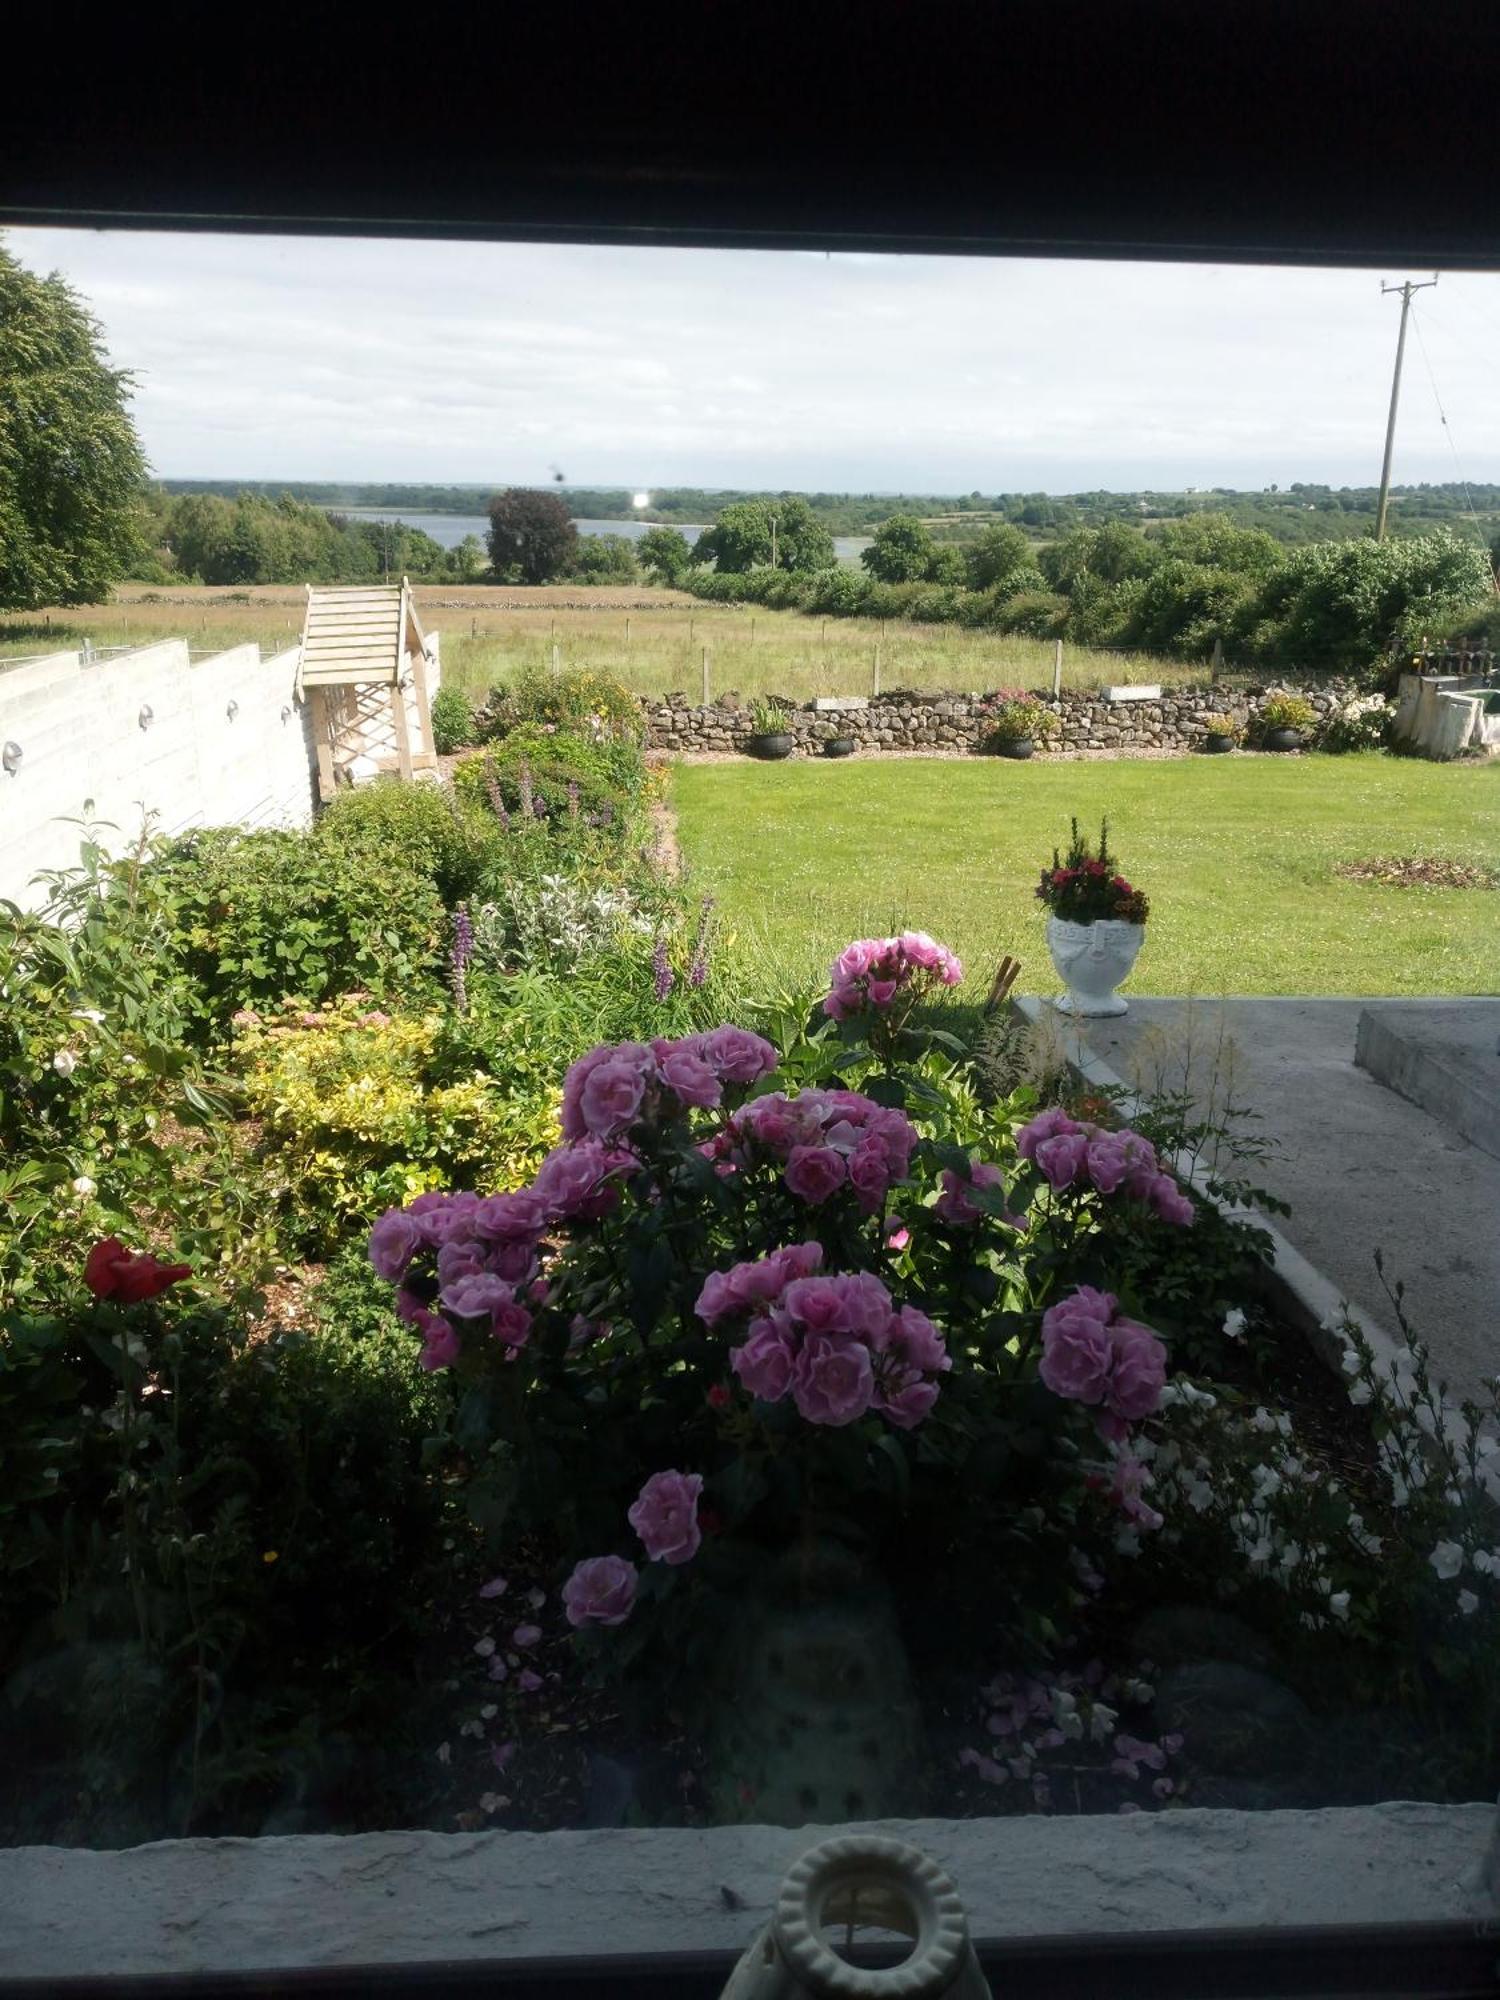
[(1016, 746), (1283, 739), (839, 746), (1216, 744), (773, 747)]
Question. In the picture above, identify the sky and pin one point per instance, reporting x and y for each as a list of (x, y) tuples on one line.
[(288, 358)]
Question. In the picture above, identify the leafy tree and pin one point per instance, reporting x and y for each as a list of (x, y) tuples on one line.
[(665, 554), (743, 536), (605, 559), (531, 533), (1217, 542), (948, 566), (999, 552), (901, 552), (1112, 553), (71, 466), (1342, 603)]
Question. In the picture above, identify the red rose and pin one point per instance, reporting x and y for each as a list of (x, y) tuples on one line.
[(113, 1272)]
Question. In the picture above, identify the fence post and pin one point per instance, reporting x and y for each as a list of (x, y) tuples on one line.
[(555, 665), (1056, 669), (875, 686), (705, 677), (627, 631), (1216, 665)]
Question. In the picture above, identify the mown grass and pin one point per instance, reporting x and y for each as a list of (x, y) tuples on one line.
[(1237, 855), (653, 640)]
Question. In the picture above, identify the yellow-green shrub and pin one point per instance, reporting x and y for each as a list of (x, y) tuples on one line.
[(360, 1110)]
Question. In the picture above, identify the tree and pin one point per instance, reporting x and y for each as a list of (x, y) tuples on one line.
[(71, 466), (532, 533), (998, 553), (665, 554), (745, 533), (605, 559), (901, 552)]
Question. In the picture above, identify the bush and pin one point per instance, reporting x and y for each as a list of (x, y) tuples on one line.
[(552, 775), (1036, 615), (453, 725), (423, 828), (1361, 724), (580, 700), (360, 1110), (198, 1556), (261, 917), (604, 559)]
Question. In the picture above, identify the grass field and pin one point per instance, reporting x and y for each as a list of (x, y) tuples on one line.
[(654, 640), (1237, 856)]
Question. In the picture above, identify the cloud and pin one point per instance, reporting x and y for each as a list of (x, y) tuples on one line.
[(266, 357)]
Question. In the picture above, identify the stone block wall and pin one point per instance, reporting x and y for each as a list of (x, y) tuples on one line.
[(956, 723)]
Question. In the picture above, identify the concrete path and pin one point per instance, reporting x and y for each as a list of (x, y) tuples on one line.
[(1362, 1167)]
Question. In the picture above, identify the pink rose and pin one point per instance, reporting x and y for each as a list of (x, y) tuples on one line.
[(443, 1218), (1108, 1162), (800, 1260), (511, 1325), (691, 1080), (507, 1218), (909, 1406), (1077, 1353), (1139, 1373), (394, 1241), (1128, 1487), (514, 1262), (813, 1173), (1062, 1158), (578, 1181), (1170, 1203), (577, 1076), (764, 1362), (832, 1379), (476, 1295), (440, 1347), (816, 1304), (738, 1056), (869, 1174), (665, 1516), (919, 1341), (1046, 1125), (867, 1306), (612, 1099), (459, 1260), (601, 1591), (953, 1205)]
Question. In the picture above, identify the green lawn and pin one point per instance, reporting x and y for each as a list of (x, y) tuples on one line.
[(1236, 854)]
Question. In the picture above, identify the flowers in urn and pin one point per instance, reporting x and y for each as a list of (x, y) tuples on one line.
[(1086, 889)]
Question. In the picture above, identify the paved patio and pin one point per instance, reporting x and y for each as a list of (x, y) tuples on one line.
[(1362, 1168)]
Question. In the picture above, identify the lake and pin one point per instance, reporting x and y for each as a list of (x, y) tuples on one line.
[(448, 530)]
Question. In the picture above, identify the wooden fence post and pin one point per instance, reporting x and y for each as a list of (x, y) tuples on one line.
[(627, 631), (1056, 668), (555, 666), (1216, 665), (875, 678)]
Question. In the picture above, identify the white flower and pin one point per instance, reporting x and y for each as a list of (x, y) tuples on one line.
[(1234, 1324), (1486, 1561), (1338, 1604), (490, 1802), (1128, 1542), (1267, 1481), (444, 1753), (1102, 1721), (65, 1062), (484, 1647), (84, 1186), (1350, 1361), (1468, 1603), (88, 1014), (1360, 1393), (1447, 1559)]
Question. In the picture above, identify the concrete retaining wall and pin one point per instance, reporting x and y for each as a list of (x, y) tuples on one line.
[(224, 744), (959, 722)]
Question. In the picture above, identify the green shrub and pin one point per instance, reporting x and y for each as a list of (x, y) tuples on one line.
[(568, 777), (579, 700), (424, 828), (261, 917), (360, 1111), (453, 724), (1037, 615)]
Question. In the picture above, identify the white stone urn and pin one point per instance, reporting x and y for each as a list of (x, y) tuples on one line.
[(1091, 961), (862, 1881)]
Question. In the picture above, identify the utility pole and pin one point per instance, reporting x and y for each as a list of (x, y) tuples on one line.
[(1406, 291)]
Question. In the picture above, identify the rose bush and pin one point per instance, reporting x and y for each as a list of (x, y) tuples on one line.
[(762, 1293)]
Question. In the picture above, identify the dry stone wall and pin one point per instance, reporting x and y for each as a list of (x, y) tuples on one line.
[(954, 723)]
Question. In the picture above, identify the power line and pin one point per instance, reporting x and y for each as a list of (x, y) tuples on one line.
[(1453, 447)]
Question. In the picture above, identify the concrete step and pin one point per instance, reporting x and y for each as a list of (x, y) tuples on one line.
[(1443, 1055)]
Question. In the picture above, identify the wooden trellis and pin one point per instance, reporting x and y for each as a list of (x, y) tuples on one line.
[(362, 649)]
